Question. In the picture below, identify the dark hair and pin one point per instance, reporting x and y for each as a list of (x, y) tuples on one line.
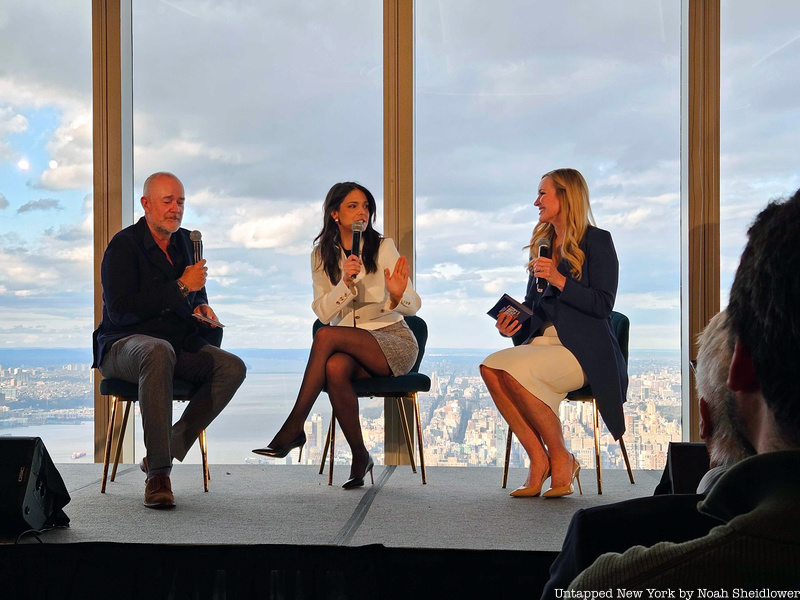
[(327, 244), (764, 309)]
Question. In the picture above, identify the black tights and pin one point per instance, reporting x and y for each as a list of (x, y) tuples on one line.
[(339, 356)]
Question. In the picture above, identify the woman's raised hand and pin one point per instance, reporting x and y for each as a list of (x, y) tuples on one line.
[(397, 281), (351, 267), (507, 325)]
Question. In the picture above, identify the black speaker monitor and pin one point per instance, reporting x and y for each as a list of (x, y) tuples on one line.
[(687, 462), (32, 492)]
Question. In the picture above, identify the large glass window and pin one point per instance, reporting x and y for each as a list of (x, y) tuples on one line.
[(506, 91), (259, 107), (46, 224), (759, 118)]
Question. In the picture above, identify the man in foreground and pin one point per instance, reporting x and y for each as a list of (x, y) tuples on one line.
[(758, 546)]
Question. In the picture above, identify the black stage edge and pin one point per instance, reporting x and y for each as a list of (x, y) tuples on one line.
[(154, 571)]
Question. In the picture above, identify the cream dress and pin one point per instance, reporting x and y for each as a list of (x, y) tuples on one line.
[(543, 366)]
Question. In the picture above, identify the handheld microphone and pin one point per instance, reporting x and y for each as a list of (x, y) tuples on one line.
[(197, 245), (544, 252), (355, 248)]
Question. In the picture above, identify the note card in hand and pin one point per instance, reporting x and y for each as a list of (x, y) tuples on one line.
[(507, 304)]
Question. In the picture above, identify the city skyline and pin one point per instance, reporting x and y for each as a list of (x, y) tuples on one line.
[(461, 425)]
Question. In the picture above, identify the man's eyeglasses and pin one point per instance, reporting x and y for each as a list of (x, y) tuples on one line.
[(693, 366)]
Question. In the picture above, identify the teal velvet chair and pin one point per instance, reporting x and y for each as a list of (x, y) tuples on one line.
[(404, 386), (124, 391), (620, 325)]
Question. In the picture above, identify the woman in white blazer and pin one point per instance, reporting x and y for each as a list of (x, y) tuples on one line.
[(364, 298)]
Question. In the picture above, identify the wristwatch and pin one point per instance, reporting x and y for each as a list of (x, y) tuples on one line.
[(183, 288)]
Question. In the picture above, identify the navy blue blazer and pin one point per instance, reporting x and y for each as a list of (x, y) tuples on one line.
[(581, 313), (141, 293)]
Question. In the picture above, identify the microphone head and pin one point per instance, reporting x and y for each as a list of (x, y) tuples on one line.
[(195, 236), (358, 226)]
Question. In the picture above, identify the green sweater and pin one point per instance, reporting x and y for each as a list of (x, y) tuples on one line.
[(758, 548)]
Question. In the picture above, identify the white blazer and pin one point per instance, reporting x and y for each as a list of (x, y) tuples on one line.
[(334, 303)]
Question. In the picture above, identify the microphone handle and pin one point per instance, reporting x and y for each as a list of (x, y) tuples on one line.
[(355, 248), (197, 247), (541, 282)]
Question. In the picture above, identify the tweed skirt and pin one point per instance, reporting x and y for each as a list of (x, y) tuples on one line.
[(399, 346)]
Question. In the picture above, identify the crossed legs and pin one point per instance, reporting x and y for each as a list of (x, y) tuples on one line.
[(536, 426), (152, 363), (339, 356)]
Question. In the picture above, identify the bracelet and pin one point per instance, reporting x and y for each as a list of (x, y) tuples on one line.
[(183, 288)]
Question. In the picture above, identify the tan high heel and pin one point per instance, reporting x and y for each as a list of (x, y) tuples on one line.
[(566, 490), (533, 490)]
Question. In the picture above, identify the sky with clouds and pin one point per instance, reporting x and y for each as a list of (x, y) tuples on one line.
[(259, 107)]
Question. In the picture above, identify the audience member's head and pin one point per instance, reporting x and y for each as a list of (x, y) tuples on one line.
[(764, 315), (717, 402)]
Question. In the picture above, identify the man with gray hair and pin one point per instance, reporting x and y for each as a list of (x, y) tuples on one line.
[(716, 401), (153, 294)]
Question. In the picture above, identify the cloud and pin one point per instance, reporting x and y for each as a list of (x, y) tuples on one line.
[(628, 220), (10, 122), (43, 204), (472, 248), (433, 219), (71, 147), (3, 202), (278, 231), (228, 274), (650, 300)]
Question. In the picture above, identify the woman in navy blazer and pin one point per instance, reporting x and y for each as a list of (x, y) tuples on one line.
[(568, 342)]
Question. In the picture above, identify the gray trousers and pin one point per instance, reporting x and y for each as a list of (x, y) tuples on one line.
[(151, 362)]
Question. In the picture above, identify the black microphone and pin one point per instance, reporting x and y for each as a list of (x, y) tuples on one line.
[(355, 248), (197, 245), (544, 252)]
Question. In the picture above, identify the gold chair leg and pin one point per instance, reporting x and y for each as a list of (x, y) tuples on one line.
[(204, 453), (419, 439), (107, 453), (597, 447), (120, 438), (333, 443), (625, 456), (508, 458), (406, 433), (325, 450)]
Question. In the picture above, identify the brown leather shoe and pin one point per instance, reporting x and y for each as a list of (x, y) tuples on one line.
[(158, 492)]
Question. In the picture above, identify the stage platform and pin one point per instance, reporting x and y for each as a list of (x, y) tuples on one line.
[(278, 531)]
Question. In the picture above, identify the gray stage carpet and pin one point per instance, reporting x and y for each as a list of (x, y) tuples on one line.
[(459, 508)]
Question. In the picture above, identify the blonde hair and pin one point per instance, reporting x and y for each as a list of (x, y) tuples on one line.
[(573, 196)]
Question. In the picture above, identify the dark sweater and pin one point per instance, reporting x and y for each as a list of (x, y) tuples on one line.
[(141, 294), (757, 548)]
